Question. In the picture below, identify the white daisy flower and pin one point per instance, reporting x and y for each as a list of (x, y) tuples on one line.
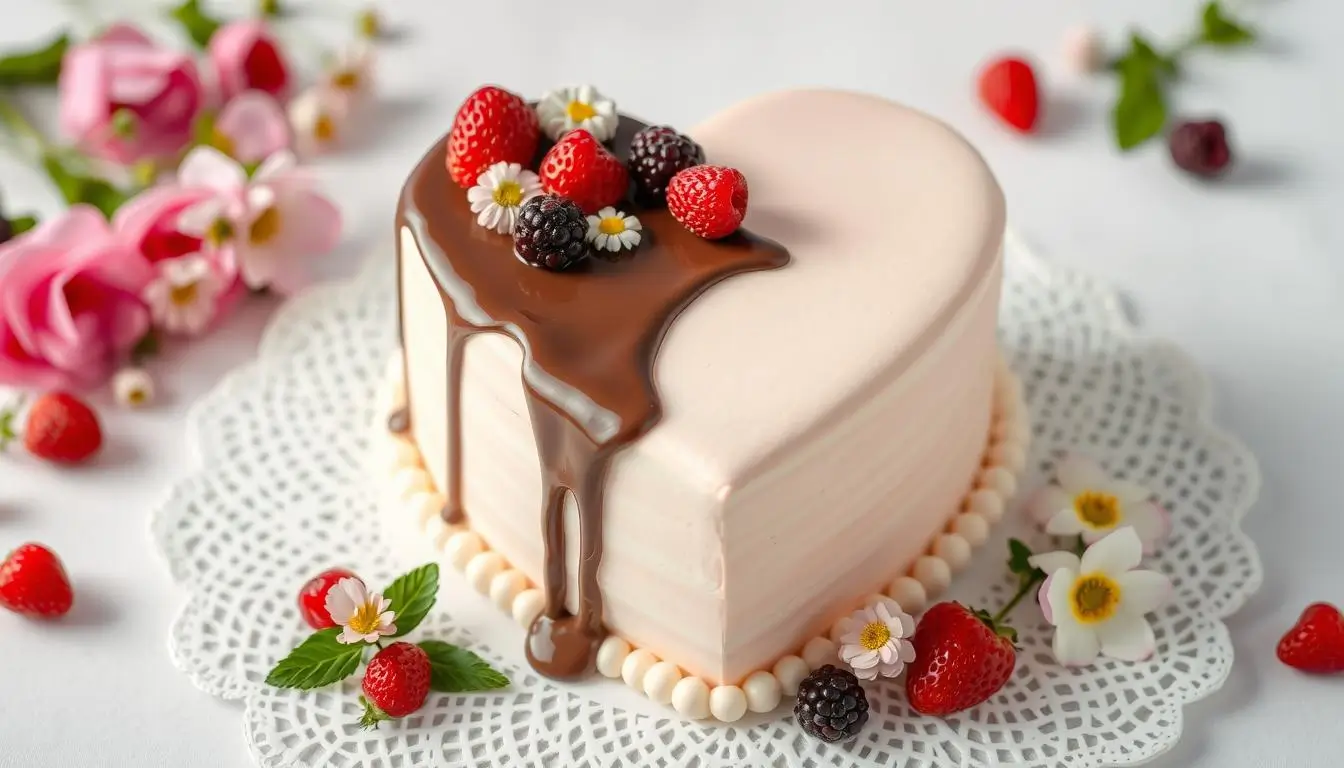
[(185, 296), (877, 641), (1097, 602), (579, 106), (1087, 502), (611, 230), (318, 117), (133, 387), (363, 614), (350, 72), (499, 193)]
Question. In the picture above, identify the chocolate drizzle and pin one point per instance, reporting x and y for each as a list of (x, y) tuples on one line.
[(589, 338)]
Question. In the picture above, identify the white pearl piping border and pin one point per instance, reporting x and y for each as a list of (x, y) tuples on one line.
[(410, 489)]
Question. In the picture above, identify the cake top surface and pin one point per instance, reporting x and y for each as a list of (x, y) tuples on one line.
[(892, 222)]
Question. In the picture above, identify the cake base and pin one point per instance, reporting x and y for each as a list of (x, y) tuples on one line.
[(411, 500)]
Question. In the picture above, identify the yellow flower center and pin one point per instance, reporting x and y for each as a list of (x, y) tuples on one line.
[(509, 194), (184, 295), (874, 635), (1095, 598), (324, 128), (365, 620), (265, 227), (221, 141), (1097, 510), (219, 232), (346, 79), (579, 111), (611, 225), (137, 396)]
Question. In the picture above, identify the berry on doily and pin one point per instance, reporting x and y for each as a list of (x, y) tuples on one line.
[(33, 583), (658, 153), (396, 683), (831, 705), (551, 233), (961, 659), (580, 168), (1316, 643), (313, 597), (709, 200), (492, 126), (1008, 88), (59, 428)]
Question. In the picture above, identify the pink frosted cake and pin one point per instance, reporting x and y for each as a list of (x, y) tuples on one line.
[(716, 448)]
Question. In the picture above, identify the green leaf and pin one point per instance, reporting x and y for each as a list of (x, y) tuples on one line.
[(1141, 111), (320, 660), (457, 670), (412, 595), (1222, 30), (40, 66), (1019, 557), (146, 347), (198, 25), (20, 224), (79, 188)]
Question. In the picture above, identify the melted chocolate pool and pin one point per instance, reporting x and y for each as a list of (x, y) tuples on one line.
[(589, 337)]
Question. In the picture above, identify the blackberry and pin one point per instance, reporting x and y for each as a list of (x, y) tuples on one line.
[(1200, 147), (831, 704), (658, 153), (550, 233)]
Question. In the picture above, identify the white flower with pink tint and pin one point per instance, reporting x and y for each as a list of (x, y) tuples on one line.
[(185, 297), (363, 615), (318, 117), (349, 74), (876, 641), (1097, 603), (1085, 501), (252, 127)]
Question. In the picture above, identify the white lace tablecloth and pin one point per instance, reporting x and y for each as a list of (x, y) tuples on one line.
[(281, 492)]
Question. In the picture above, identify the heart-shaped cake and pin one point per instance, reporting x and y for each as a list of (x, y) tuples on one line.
[(707, 449)]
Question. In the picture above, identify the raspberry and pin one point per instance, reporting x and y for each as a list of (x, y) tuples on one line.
[(709, 200), (492, 126), (658, 153), (550, 233), (1008, 88), (580, 168), (1200, 147), (831, 704)]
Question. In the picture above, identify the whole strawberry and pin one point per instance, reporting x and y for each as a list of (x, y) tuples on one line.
[(59, 428), (396, 683), (961, 659), (313, 597), (709, 200), (580, 168), (33, 583), (492, 126), (1316, 643), (1008, 89)]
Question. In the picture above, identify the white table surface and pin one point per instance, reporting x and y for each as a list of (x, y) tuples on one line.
[(1247, 274)]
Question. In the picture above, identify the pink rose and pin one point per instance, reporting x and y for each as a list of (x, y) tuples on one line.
[(123, 98), (246, 57), (70, 302)]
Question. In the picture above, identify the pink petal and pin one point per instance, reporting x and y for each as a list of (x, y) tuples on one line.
[(256, 125)]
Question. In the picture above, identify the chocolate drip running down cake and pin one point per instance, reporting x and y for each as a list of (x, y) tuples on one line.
[(713, 449)]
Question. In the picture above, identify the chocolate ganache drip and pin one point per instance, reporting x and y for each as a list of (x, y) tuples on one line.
[(589, 337)]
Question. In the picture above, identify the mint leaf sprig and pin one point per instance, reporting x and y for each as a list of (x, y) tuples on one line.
[(1140, 110)]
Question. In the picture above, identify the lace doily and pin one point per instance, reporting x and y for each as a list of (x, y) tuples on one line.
[(281, 492)]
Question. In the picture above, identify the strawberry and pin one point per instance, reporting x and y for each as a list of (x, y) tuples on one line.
[(1316, 643), (1008, 88), (492, 126), (60, 428), (33, 583), (313, 597), (580, 168), (961, 659), (396, 683), (709, 200)]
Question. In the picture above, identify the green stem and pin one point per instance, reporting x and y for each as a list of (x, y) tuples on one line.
[(1027, 587), (18, 124)]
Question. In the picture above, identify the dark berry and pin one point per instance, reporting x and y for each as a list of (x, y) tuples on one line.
[(1200, 147), (658, 153), (831, 704), (550, 233)]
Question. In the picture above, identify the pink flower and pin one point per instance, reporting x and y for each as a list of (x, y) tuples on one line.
[(70, 306), (273, 221), (123, 98), (246, 57), (252, 127)]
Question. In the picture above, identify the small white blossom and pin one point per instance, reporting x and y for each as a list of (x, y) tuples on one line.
[(612, 230), (364, 615), (579, 106), (499, 194)]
